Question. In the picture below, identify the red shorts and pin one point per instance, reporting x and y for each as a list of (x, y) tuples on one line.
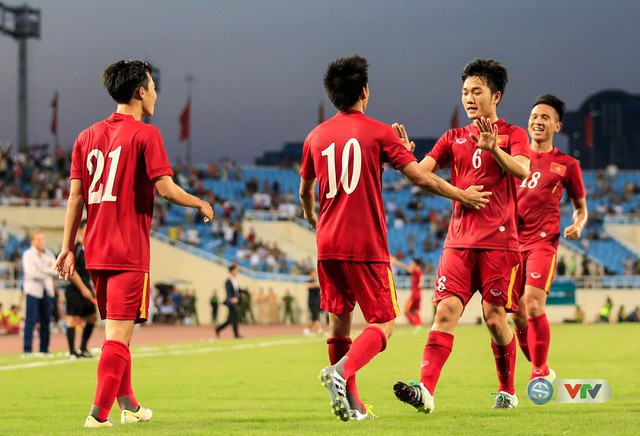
[(495, 273), (370, 284), (122, 295), (540, 266)]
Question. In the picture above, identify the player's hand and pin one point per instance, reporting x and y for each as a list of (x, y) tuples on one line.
[(488, 134), (402, 134), (205, 210), (475, 197), (572, 232), (65, 264), (312, 219)]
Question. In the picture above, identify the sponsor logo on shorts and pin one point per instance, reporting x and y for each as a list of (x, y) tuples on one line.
[(535, 275), (495, 292)]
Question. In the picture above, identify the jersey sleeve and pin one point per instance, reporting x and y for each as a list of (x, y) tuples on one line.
[(307, 170), (519, 141), (573, 181), (155, 155), (76, 160), (441, 152), (393, 150)]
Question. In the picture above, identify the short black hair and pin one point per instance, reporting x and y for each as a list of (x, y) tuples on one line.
[(553, 101), (233, 267), (494, 74), (122, 78), (344, 79)]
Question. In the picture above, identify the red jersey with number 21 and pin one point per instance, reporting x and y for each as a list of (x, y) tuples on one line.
[(346, 154), (494, 226), (117, 160)]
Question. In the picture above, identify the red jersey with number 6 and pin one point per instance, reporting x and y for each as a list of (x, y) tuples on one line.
[(117, 160), (346, 154), (540, 194), (494, 226)]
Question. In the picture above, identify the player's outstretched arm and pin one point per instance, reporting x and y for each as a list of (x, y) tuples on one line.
[(66, 263), (176, 195), (308, 201), (517, 166), (473, 197), (580, 215), (395, 262)]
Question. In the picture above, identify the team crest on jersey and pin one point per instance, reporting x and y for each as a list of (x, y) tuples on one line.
[(558, 168), (461, 140), (503, 140)]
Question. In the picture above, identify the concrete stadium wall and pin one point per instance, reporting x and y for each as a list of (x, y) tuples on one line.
[(298, 242)]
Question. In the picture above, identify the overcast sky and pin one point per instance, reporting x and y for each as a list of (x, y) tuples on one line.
[(258, 65)]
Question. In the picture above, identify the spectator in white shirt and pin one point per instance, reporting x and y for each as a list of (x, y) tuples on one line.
[(37, 265)]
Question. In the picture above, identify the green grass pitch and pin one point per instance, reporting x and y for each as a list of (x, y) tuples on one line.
[(270, 386)]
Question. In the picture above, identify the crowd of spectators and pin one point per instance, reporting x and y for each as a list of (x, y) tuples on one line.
[(39, 176)]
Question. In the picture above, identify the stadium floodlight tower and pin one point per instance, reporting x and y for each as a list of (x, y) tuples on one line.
[(21, 22)]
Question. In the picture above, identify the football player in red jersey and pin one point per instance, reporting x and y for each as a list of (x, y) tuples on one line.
[(346, 155), (116, 166), (539, 198), (412, 306), (481, 251)]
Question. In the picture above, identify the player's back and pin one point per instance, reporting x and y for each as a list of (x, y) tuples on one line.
[(117, 160), (346, 154)]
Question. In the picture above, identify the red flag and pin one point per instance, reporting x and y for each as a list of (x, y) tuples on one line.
[(321, 113), (54, 114), (454, 118), (558, 168), (185, 121), (588, 130)]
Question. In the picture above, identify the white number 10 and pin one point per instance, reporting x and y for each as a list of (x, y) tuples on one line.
[(330, 152), (95, 194)]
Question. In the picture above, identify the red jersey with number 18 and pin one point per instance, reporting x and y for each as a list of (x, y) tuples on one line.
[(346, 154), (540, 194), (117, 160), (494, 226)]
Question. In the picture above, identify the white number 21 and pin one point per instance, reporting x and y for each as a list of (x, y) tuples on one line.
[(330, 152), (96, 193)]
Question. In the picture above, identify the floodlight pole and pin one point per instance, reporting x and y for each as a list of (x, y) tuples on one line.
[(21, 23)]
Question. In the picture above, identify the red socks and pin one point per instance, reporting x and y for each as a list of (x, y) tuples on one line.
[(521, 334), (434, 356), (113, 363), (126, 399), (505, 365), (538, 337), (338, 347), (370, 342)]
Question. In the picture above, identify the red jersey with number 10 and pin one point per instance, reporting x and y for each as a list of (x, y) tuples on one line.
[(117, 160), (494, 226), (346, 154), (540, 194)]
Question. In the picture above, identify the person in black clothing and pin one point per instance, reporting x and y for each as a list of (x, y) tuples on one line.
[(233, 298), (81, 301), (313, 324), (214, 306)]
